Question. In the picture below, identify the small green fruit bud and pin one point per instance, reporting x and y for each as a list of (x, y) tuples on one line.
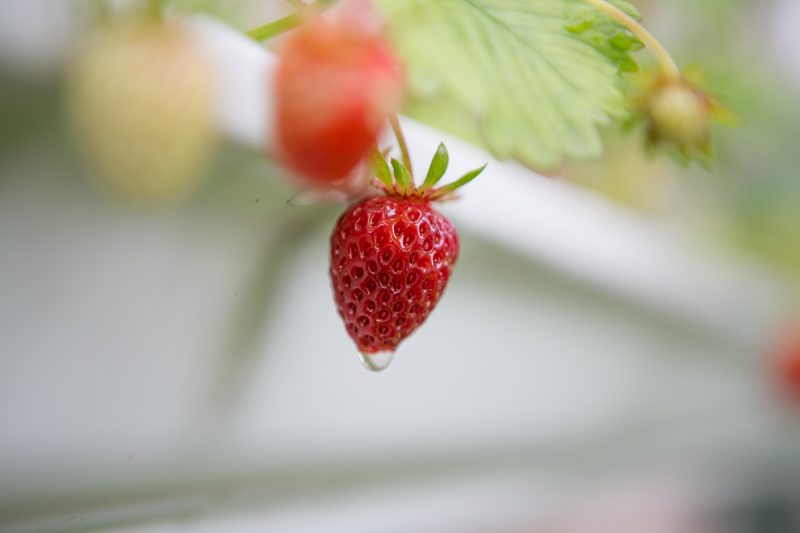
[(681, 114)]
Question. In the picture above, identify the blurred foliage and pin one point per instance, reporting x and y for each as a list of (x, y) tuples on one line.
[(28, 111), (751, 199), (530, 80)]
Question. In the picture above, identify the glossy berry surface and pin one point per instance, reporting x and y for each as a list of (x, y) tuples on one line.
[(335, 85), (391, 258)]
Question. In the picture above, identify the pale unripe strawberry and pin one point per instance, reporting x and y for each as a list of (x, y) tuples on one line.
[(139, 99)]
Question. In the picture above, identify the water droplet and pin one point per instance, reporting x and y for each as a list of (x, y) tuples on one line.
[(376, 361)]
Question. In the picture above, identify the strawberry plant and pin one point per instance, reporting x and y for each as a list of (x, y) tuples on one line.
[(530, 81), (534, 81)]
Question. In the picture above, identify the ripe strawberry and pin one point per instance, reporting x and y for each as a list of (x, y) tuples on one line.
[(336, 83), (392, 255), (140, 105)]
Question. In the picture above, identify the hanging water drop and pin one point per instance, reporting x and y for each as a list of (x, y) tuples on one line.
[(376, 361)]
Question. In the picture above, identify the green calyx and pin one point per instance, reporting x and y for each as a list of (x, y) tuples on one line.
[(398, 181)]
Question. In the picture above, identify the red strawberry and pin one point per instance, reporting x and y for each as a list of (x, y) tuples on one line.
[(336, 83), (392, 255), (788, 364)]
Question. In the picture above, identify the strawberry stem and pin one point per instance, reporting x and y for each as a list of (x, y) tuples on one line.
[(401, 141), (289, 22), (274, 28), (668, 65)]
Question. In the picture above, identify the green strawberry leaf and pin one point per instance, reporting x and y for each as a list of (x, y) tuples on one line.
[(608, 37), (438, 167), (379, 168), (536, 78)]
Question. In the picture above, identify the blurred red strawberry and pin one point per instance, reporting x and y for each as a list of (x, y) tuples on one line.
[(787, 359), (336, 83), (139, 99)]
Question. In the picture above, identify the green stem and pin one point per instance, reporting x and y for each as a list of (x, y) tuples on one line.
[(401, 141), (661, 54), (284, 24), (276, 27)]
